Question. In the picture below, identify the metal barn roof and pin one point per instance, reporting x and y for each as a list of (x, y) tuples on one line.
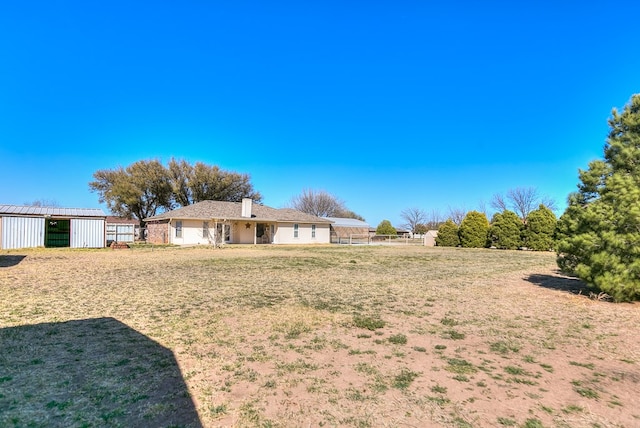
[(50, 211), (347, 222)]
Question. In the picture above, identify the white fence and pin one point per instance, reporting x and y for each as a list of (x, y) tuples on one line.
[(366, 239)]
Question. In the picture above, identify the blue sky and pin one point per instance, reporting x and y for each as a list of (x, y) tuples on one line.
[(387, 105)]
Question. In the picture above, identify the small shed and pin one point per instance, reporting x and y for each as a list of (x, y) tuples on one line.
[(430, 238), (121, 230), (29, 226), (345, 230)]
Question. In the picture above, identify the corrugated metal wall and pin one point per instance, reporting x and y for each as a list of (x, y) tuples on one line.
[(22, 232), (87, 233)]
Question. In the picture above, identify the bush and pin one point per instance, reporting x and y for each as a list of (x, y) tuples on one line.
[(448, 235), (540, 229), (506, 230), (385, 228), (474, 230)]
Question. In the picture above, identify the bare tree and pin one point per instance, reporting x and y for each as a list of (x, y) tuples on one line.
[(523, 200), (498, 202), (413, 217), (42, 203), (434, 219), (549, 203), (482, 207), (457, 215), (319, 203)]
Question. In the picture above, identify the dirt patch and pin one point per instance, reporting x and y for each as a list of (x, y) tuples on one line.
[(346, 336)]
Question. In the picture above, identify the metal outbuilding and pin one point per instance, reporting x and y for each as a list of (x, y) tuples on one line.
[(29, 226)]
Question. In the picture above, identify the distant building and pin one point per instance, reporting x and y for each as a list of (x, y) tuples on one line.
[(219, 222), (29, 226), (345, 229), (121, 230)]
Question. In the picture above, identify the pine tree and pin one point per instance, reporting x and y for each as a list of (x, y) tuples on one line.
[(474, 230), (448, 235), (599, 233), (506, 230), (540, 229)]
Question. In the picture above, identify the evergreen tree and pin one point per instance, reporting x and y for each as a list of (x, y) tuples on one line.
[(385, 228), (599, 233), (540, 229), (474, 230), (448, 235), (506, 230)]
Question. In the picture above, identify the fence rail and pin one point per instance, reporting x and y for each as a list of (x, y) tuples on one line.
[(366, 239)]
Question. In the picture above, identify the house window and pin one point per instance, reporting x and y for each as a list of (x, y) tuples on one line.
[(205, 229), (313, 230), (179, 229), (295, 230)]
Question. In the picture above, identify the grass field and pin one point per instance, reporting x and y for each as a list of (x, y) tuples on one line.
[(275, 336)]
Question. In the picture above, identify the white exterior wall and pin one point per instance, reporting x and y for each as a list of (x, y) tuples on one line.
[(244, 235), (192, 233), (87, 233), (22, 232), (285, 232)]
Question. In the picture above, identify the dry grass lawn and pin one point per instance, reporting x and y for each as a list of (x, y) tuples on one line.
[(275, 336)]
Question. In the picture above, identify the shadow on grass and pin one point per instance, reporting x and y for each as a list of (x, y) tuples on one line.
[(560, 282), (7, 261), (93, 372)]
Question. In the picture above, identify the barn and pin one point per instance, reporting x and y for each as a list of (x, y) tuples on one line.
[(50, 227), (346, 230)]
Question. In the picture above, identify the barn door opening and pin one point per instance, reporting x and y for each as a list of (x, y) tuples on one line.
[(57, 233)]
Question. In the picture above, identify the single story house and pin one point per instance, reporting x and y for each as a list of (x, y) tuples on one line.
[(345, 230), (219, 222), (29, 226)]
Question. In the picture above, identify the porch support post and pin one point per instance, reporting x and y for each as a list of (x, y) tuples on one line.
[(255, 234)]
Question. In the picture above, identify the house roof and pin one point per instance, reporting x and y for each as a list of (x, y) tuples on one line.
[(50, 211), (206, 210), (347, 222)]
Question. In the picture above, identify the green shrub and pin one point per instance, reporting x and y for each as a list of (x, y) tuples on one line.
[(448, 235), (474, 230), (506, 230)]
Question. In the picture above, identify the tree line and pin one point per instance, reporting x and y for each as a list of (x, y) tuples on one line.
[(147, 187), (597, 238), (505, 231)]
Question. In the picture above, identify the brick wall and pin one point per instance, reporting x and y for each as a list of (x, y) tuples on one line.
[(158, 232)]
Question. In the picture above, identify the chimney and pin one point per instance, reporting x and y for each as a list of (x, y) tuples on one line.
[(246, 207)]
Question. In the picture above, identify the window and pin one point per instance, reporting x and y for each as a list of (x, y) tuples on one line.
[(295, 230), (179, 229), (313, 230), (205, 229)]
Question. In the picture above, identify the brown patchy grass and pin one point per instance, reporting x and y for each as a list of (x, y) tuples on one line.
[(310, 336)]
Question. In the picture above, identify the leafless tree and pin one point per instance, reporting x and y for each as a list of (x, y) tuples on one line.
[(413, 217), (482, 208), (523, 200), (549, 203), (42, 203), (434, 219), (498, 203), (318, 202), (457, 215)]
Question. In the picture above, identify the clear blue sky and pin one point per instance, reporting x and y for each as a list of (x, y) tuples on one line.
[(386, 104)]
